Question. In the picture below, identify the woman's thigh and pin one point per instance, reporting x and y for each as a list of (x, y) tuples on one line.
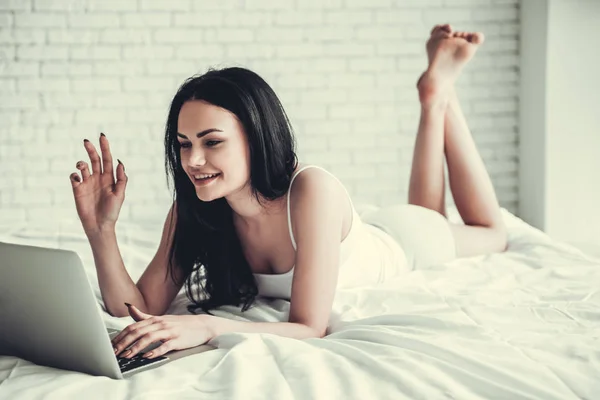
[(424, 235)]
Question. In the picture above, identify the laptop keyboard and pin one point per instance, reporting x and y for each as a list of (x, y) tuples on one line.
[(127, 364)]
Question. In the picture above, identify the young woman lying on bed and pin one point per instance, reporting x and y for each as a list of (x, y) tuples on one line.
[(248, 219)]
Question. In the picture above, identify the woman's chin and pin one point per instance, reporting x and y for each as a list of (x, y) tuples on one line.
[(205, 196)]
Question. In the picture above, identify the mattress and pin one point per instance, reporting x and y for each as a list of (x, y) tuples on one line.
[(523, 324)]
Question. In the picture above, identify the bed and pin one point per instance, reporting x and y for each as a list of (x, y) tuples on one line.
[(524, 324)]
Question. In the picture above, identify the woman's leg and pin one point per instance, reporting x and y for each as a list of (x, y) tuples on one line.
[(427, 186), (443, 129), (472, 190)]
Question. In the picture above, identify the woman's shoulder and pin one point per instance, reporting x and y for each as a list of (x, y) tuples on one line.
[(313, 170), (317, 196), (316, 182)]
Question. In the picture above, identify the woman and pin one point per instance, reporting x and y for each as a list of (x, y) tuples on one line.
[(248, 219)]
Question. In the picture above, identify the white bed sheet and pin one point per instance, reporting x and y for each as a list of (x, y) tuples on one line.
[(524, 324)]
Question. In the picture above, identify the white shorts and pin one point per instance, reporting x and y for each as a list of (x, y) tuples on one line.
[(423, 234)]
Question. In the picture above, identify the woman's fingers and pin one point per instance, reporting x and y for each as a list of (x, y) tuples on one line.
[(161, 350), (146, 340), (131, 330), (75, 180), (94, 158), (121, 179), (138, 337), (102, 165), (107, 162), (83, 167)]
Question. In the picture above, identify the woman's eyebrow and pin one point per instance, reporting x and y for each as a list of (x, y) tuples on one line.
[(200, 134)]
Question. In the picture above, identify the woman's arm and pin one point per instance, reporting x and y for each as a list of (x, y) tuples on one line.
[(317, 213), (219, 326), (153, 293)]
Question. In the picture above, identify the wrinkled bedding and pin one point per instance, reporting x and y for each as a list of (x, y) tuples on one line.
[(524, 324)]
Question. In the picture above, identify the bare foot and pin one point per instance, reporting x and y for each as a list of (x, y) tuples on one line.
[(448, 52)]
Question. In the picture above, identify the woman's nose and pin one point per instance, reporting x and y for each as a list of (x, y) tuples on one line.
[(197, 158)]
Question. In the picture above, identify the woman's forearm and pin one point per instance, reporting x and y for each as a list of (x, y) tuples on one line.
[(116, 285), (293, 330)]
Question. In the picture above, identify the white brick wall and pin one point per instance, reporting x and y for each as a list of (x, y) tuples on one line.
[(344, 69)]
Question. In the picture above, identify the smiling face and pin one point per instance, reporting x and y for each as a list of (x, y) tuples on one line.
[(212, 141)]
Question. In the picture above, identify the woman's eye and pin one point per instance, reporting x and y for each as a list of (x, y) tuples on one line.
[(209, 143)]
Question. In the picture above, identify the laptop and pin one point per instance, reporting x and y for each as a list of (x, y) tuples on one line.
[(49, 316)]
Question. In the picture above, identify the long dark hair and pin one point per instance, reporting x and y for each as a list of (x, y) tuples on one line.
[(205, 245)]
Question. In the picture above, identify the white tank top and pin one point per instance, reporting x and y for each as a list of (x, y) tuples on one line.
[(368, 255)]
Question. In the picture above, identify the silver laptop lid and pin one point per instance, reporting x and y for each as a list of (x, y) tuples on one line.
[(48, 311)]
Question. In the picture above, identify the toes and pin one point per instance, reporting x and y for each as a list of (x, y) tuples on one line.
[(477, 38), (445, 28), (435, 28), (471, 37)]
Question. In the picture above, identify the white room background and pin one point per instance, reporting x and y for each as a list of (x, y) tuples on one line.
[(345, 71)]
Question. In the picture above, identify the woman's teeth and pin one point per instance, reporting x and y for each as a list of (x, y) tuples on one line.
[(204, 176)]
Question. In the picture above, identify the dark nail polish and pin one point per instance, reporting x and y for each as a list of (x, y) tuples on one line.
[(85, 140), (128, 305), (119, 161), (102, 134), (77, 178)]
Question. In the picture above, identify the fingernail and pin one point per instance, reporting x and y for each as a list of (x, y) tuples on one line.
[(120, 162), (102, 134), (128, 305), (76, 177), (78, 164), (148, 354), (85, 140), (115, 349), (127, 353)]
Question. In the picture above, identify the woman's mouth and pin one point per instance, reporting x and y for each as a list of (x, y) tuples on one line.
[(204, 179)]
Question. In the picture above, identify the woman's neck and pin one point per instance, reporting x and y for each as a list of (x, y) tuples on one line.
[(252, 215)]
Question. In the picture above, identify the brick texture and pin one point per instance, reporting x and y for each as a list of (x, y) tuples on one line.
[(345, 71)]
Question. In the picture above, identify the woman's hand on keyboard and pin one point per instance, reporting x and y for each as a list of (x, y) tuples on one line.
[(177, 332)]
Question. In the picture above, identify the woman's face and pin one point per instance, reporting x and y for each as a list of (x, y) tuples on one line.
[(213, 141)]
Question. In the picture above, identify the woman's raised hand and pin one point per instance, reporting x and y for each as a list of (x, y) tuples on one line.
[(98, 198)]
